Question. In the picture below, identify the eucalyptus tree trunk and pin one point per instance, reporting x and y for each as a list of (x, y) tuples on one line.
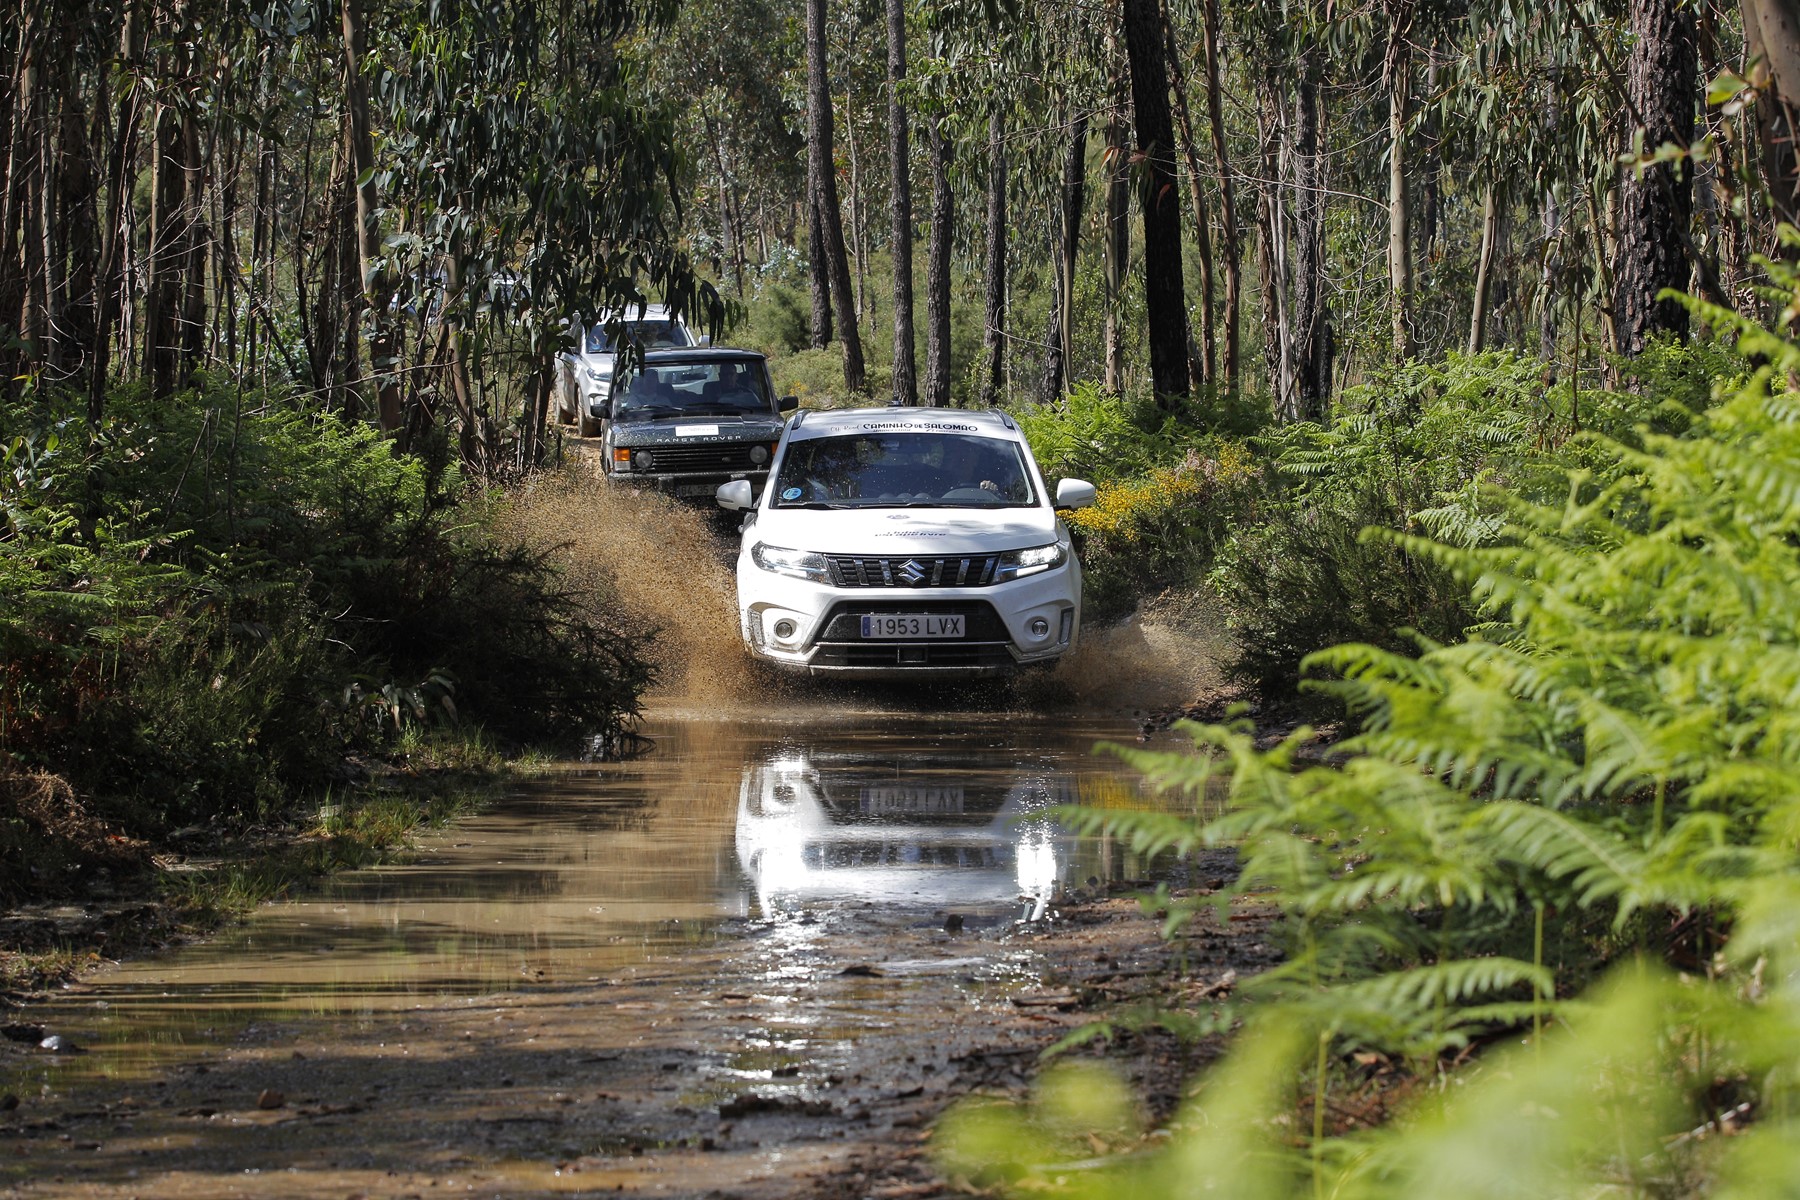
[(937, 270), (822, 182), (900, 160), (377, 279), (994, 328), (1204, 368), (1272, 244), (1229, 365), (80, 227), (1312, 342), (1116, 243), (1551, 219), (1772, 34), (1164, 302), (163, 293), (1656, 205), (1484, 270), (1397, 79), (1066, 245)]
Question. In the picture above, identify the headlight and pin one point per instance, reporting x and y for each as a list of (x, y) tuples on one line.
[(1016, 564), (597, 375), (801, 564)]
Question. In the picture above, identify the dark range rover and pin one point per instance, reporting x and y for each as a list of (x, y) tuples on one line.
[(685, 421)]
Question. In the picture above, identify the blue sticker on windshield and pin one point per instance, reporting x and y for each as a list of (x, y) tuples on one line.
[(791, 494)]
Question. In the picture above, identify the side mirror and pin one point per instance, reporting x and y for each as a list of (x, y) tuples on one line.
[(788, 403), (1074, 493), (735, 495)]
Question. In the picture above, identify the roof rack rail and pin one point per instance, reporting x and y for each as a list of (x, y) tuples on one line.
[(798, 417), (1006, 419)]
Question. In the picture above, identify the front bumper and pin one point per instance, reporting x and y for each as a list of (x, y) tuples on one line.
[(826, 639)]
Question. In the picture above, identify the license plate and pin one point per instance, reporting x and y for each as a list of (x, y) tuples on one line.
[(912, 625), (696, 489)]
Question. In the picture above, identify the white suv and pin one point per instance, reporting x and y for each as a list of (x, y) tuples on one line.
[(584, 375), (907, 542)]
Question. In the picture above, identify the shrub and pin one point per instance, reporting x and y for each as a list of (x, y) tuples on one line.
[(220, 597), (1609, 762)]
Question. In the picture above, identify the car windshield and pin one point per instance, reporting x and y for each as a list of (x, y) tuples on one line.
[(732, 387), (930, 469), (651, 335)]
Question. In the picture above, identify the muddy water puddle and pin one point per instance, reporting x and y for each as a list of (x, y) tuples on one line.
[(722, 965)]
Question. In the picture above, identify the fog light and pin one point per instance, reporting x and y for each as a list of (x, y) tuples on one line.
[(643, 460), (1039, 627), (784, 629)]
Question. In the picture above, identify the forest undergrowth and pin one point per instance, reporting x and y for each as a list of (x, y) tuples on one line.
[(1553, 877)]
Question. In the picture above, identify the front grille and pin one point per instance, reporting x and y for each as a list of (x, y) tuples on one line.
[(923, 570), (980, 624), (702, 458)]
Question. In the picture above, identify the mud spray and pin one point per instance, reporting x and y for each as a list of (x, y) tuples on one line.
[(666, 570)]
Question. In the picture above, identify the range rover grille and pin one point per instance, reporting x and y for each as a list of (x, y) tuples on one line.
[(922, 570), (705, 458)]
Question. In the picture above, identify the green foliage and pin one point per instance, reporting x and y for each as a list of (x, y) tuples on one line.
[(1416, 452), (1607, 769), (220, 598)]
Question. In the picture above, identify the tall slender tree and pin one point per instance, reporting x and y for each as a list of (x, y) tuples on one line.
[(994, 260), (1164, 299), (900, 184), (1655, 202), (937, 268), (822, 183)]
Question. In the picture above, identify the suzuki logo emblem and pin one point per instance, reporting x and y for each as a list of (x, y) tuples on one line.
[(912, 571)]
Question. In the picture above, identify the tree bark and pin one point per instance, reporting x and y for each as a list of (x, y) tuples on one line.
[(937, 270), (163, 295), (1312, 344), (1229, 367), (822, 181), (1065, 245), (900, 163), (1397, 79), (819, 266), (994, 328), (1164, 301), (1772, 35), (1656, 205)]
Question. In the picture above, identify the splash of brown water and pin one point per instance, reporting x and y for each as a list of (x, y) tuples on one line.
[(665, 568)]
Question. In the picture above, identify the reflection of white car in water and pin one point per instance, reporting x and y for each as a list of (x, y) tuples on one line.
[(907, 542), (925, 835)]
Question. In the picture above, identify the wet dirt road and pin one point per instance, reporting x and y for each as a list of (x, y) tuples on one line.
[(754, 962)]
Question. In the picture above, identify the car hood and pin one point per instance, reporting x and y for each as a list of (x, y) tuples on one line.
[(697, 431), (889, 531)]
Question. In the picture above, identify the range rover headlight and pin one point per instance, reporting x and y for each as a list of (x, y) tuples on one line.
[(1016, 564), (801, 564), (597, 375)]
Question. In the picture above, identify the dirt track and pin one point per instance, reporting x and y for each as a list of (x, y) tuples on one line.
[(792, 1057)]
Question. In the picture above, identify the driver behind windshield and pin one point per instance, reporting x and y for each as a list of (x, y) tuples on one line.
[(903, 468)]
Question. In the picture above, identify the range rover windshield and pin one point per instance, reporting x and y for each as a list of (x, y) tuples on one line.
[(876, 470), (728, 388)]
